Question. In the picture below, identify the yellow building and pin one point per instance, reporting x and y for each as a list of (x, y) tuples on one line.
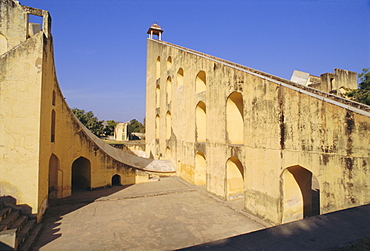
[(44, 150), (289, 150)]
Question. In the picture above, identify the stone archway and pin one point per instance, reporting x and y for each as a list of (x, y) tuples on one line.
[(200, 172), (116, 180), (53, 176), (234, 179), (235, 118), (81, 173), (301, 194), (201, 122)]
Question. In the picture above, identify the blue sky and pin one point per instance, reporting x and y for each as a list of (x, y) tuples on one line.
[(100, 45)]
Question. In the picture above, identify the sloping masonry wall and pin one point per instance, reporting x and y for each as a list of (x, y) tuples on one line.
[(290, 151), (44, 149)]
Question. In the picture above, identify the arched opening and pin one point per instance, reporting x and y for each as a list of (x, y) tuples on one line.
[(168, 125), (53, 176), (157, 96), (53, 98), (200, 172), (180, 77), (116, 180), (52, 134), (301, 194), (200, 82), (157, 127), (158, 68), (81, 174), (168, 153), (169, 90), (200, 118), (169, 62), (234, 179), (234, 119), (3, 44)]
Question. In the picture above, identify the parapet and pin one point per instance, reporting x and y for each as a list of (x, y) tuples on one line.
[(340, 80)]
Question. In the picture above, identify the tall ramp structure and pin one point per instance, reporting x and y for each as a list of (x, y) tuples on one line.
[(288, 150), (44, 150)]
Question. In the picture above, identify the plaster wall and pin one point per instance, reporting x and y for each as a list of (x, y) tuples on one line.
[(20, 96), (284, 125), (40, 138)]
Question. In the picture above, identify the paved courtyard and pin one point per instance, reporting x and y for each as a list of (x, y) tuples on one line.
[(160, 215), (172, 214)]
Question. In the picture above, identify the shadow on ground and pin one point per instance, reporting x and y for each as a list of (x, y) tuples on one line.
[(343, 230), (59, 207)]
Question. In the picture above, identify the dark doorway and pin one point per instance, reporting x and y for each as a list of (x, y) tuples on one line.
[(116, 180), (81, 174)]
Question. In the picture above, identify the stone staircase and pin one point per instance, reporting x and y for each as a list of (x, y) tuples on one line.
[(18, 228)]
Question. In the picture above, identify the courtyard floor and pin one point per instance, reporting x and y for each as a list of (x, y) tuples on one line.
[(172, 214), (161, 215)]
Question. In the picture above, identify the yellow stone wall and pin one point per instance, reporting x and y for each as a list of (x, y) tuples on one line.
[(280, 125), (33, 158)]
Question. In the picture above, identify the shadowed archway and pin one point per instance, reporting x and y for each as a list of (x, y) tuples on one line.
[(301, 194), (81, 173), (116, 180)]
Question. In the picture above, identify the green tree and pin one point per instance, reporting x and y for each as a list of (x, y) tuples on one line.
[(109, 128), (135, 126), (90, 121), (362, 94)]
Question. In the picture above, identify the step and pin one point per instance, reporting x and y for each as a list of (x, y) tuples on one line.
[(4, 212), (25, 231), (31, 239), (19, 223), (1, 204), (8, 221)]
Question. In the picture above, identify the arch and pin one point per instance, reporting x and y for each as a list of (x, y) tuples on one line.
[(53, 176), (168, 125), (169, 62), (52, 133), (234, 178), (3, 44), (200, 120), (158, 96), (301, 194), (81, 173), (169, 89), (180, 77), (168, 153), (200, 173), (53, 98), (157, 127), (116, 180), (234, 118), (200, 82), (158, 68)]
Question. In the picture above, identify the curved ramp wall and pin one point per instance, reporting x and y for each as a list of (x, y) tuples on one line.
[(43, 147)]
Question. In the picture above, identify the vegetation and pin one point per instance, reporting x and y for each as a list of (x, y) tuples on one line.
[(362, 94), (135, 126), (109, 128), (93, 124)]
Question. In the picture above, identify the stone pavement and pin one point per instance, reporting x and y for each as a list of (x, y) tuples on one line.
[(161, 215), (343, 230), (171, 214)]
